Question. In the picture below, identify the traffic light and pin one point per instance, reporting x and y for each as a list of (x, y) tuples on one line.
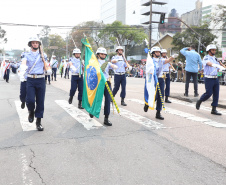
[(201, 50), (162, 18)]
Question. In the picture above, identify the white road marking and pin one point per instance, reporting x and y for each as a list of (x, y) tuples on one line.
[(25, 169), (79, 115), (23, 115), (202, 107), (188, 116), (139, 119)]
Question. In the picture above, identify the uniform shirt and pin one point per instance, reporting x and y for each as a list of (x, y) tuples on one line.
[(166, 66), (54, 63), (121, 64), (106, 72), (31, 57), (159, 62), (193, 59), (7, 65), (76, 62), (67, 65), (208, 70)]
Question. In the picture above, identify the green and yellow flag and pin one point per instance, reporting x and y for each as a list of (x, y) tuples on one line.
[(94, 82)]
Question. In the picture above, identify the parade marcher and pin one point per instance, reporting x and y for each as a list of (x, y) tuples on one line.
[(120, 77), (211, 67), (54, 66), (22, 71), (76, 68), (193, 59), (101, 55), (35, 81), (166, 72), (67, 66), (7, 70), (47, 76), (159, 62)]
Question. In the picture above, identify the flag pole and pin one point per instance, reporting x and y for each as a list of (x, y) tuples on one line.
[(106, 84), (158, 87)]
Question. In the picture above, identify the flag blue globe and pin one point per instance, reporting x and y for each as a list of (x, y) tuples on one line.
[(92, 79)]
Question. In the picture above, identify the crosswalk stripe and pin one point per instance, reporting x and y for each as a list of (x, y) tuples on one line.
[(23, 115), (188, 116), (79, 115), (140, 119)]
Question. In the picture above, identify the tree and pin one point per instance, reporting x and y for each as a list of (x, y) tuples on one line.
[(56, 40), (126, 35), (2, 36), (45, 36), (188, 38), (91, 29)]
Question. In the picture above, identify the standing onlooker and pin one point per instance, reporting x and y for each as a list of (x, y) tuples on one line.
[(193, 59), (179, 72), (173, 75)]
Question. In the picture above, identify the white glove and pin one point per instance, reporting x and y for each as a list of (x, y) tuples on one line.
[(221, 68), (130, 68), (175, 55), (73, 69), (113, 66), (49, 72), (23, 67)]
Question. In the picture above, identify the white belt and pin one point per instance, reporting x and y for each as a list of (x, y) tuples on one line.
[(75, 74), (122, 73), (165, 72), (208, 76), (36, 76)]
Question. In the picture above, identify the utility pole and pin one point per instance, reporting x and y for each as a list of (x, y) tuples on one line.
[(67, 46), (150, 27), (199, 44)]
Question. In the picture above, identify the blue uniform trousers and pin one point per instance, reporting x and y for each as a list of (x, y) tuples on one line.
[(120, 80), (107, 101), (66, 73), (23, 91), (212, 88), (158, 98), (167, 89), (47, 76), (76, 82), (36, 93), (54, 70), (6, 75)]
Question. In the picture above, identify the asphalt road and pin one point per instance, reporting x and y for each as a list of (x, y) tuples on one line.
[(188, 147)]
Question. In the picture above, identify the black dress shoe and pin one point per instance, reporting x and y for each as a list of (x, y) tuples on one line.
[(185, 94), (31, 116), (123, 103), (215, 112), (198, 103), (39, 125), (70, 99), (90, 115), (167, 100), (22, 105), (146, 108), (159, 116), (80, 105), (107, 122), (196, 95)]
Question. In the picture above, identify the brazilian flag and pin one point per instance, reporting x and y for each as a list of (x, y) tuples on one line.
[(94, 82)]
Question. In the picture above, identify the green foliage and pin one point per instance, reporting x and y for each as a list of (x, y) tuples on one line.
[(56, 40), (126, 35), (188, 38), (45, 36)]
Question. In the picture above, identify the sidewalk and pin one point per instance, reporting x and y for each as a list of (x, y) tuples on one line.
[(177, 90)]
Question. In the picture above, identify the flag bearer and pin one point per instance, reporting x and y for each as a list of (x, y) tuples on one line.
[(54, 67), (105, 66), (166, 72), (35, 81), (76, 67), (159, 62), (211, 66), (120, 76)]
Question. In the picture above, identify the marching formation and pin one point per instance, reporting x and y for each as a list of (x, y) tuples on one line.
[(92, 80)]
